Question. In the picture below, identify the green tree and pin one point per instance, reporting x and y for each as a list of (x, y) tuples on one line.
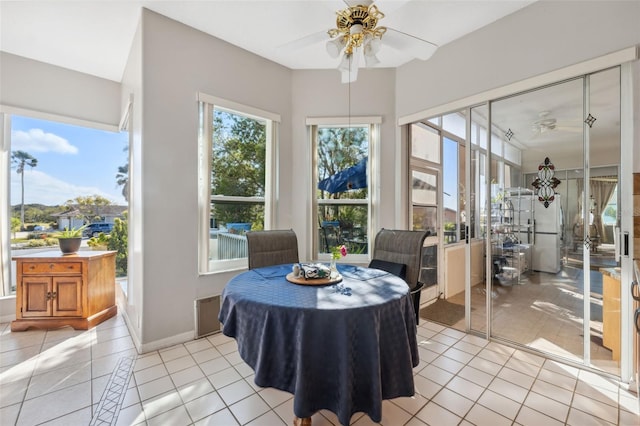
[(21, 159), (238, 166), (338, 149), (122, 178), (118, 241), (15, 225), (89, 206)]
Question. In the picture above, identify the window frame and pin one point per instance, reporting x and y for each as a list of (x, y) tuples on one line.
[(373, 194), (206, 105)]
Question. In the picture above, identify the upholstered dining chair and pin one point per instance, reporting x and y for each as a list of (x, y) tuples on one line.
[(273, 247), (399, 252)]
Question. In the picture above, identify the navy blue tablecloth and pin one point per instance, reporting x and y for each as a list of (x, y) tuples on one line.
[(342, 347)]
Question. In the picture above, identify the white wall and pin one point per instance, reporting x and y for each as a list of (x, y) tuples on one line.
[(540, 38), (54, 91), (177, 63), (131, 91)]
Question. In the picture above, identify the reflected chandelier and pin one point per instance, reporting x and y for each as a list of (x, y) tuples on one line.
[(356, 34)]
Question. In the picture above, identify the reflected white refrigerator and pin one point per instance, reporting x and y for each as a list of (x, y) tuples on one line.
[(548, 226)]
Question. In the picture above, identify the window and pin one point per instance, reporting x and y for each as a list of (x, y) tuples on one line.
[(439, 150), (425, 143), (236, 144), (610, 213), (343, 180), (63, 175)]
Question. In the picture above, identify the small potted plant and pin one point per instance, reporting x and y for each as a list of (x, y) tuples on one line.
[(70, 239)]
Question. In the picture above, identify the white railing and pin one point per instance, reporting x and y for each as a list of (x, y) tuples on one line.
[(231, 246)]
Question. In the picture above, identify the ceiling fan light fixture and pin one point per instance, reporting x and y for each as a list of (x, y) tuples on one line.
[(335, 46), (372, 47), (371, 60), (345, 62), (358, 35)]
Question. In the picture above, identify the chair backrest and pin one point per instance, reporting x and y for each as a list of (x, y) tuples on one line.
[(402, 247), (274, 247)]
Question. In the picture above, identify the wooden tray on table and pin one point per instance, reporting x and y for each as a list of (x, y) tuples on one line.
[(313, 281)]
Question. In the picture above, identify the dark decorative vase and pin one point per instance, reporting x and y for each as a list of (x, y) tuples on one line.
[(69, 245)]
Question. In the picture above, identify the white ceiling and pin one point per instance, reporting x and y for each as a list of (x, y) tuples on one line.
[(94, 37)]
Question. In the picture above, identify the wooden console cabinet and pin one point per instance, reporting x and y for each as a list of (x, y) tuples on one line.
[(54, 290), (611, 311)]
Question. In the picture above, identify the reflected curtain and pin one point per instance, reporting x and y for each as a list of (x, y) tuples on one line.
[(601, 191)]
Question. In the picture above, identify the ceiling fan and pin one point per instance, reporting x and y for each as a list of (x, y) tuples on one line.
[(546, 123), (357, 38)]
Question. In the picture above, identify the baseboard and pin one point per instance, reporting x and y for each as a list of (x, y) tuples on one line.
[(142, 348), (166, 342), (7, 318)]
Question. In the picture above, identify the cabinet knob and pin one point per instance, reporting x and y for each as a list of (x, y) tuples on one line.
[(51, 266), (32, 267)]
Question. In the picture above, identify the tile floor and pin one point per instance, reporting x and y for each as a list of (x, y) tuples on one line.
[(543, 312), (95, 377)]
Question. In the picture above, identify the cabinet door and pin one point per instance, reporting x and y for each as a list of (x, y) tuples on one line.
[(67, 296), (36, 293)]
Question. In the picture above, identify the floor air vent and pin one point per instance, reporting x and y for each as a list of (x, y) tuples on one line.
[(206, 315)]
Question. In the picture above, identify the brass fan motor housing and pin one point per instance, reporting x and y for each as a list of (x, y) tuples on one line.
[(365, 16)]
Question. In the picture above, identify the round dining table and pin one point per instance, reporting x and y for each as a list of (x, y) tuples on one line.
[(343, 347)]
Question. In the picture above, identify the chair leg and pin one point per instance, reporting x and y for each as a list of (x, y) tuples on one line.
[(416, 305)]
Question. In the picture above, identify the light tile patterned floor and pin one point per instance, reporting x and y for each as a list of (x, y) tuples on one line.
[(68, 377)]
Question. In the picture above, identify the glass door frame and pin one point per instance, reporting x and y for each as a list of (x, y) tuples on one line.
[(625, 169), (627, 60)]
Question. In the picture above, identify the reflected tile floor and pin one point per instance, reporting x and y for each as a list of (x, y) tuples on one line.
[(95, 377)]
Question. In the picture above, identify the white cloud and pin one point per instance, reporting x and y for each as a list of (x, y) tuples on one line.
[(41, 188), (36, 140)]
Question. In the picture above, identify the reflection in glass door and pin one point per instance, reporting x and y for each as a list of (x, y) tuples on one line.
[(424, 216), (424, 169), (476, 302), (554, 156), (604, 331), (536, 300)]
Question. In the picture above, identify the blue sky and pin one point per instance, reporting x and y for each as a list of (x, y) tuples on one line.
[(72, 161)]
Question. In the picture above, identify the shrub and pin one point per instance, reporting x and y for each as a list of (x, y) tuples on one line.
[(37, 235), (102, 240), (118, 241), (42, 242)]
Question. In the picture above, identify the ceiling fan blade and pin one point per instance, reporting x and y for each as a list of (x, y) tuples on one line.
[(573, 129), (351, 3), (305, 41), (416, 47)]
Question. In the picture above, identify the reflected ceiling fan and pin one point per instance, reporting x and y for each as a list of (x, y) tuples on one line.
[(357, 38), (546, 123)]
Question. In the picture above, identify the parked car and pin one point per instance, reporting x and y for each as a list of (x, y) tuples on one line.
[(94, 229)]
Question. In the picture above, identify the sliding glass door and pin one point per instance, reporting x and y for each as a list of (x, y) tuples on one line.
[(537, 218), (551, 262)]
